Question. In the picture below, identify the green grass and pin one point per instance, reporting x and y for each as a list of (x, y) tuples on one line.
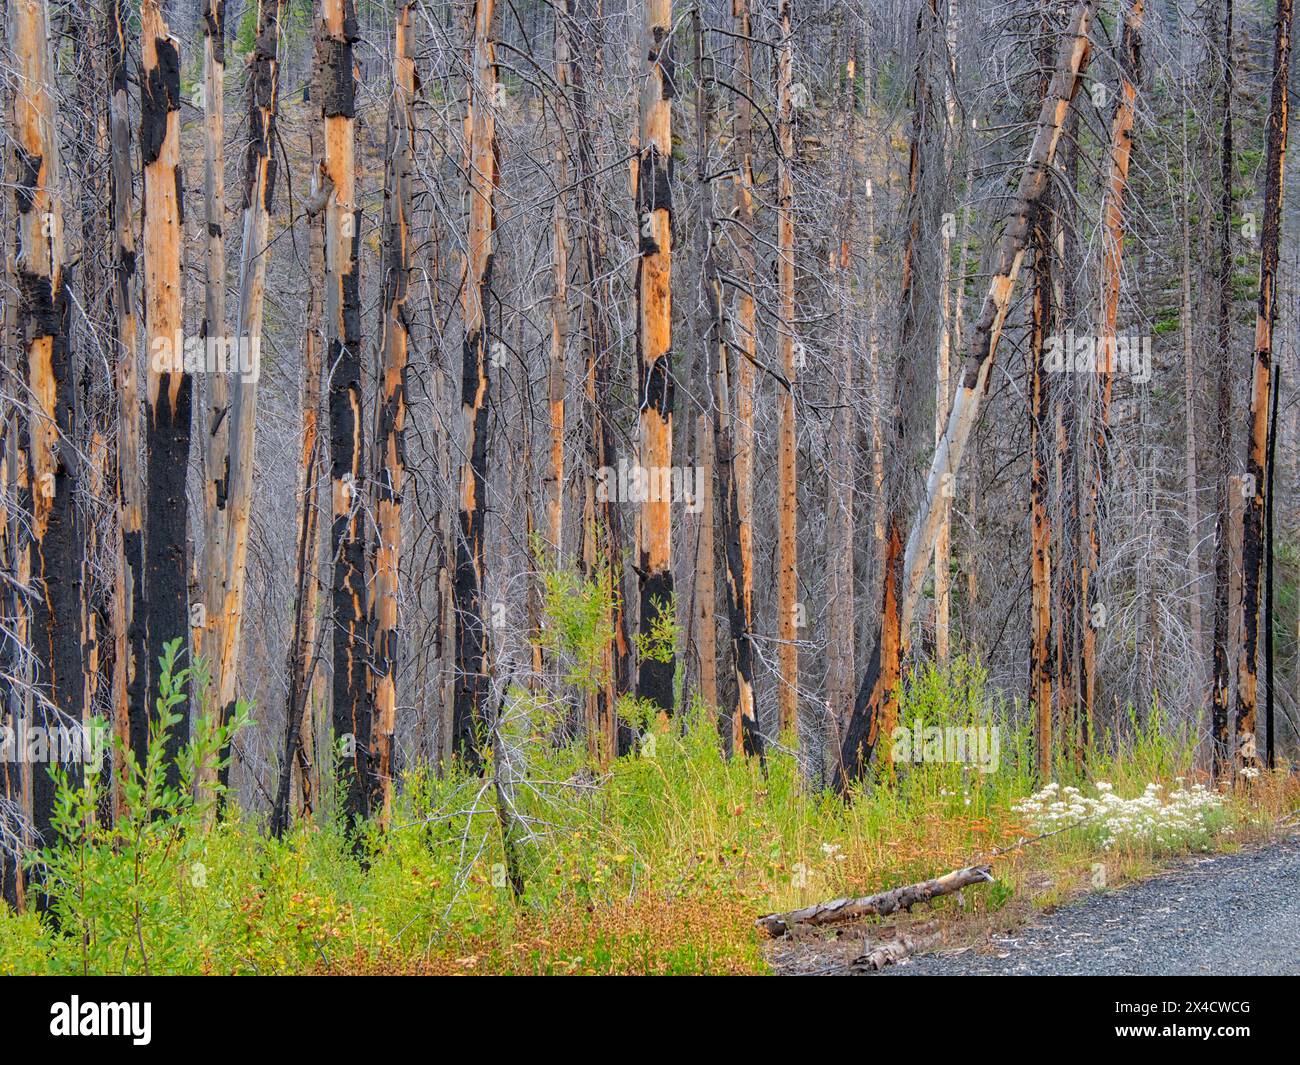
[(659, 866)]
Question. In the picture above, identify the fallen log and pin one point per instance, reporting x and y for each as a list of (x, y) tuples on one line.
[(880, 905), (892, 951)]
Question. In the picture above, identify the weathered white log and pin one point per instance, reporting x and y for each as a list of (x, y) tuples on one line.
[(880, 905), (892, 951)]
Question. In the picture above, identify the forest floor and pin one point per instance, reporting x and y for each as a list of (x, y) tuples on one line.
[(1225, 914)]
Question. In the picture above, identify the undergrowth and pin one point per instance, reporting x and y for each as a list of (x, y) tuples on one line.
[(657, 866)]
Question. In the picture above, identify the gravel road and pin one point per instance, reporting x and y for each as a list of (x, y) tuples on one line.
[(1236, 914)]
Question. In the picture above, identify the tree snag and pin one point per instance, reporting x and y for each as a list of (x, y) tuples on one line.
[(874, 694), (472, 682)]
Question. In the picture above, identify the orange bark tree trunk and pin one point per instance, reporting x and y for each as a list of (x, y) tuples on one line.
[(168, 393), (390, 439), (657, 672)]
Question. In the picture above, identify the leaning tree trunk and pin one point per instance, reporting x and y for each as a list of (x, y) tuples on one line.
[(1257, 466), (864, 726), (343, 359), (44, 334), (390, 441), (787, 563), (472, 688), (654, 210)]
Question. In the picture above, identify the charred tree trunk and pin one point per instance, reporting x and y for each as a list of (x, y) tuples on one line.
[(1042, 664), (43, 328), (1258, 472), (472, 682), (1219, 692), (131, 718), (343, 364), (390, 441), (885, 667)]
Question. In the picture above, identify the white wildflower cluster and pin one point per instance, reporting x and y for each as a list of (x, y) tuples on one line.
[(1152, 818)]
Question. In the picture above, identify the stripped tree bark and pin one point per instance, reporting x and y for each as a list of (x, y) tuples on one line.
[(168, 394), (390, 441), (874, 694), (657, 666)]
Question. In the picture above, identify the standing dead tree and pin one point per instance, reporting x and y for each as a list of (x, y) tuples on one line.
[(43, 327), (472, 681), (168, 394), (1258, 472), (350, 708), (131, 723), (657, 666), (390, 444), (870, 704), (787, 490)]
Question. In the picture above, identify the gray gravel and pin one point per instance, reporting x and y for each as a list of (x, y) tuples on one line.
[(1236, 914)]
